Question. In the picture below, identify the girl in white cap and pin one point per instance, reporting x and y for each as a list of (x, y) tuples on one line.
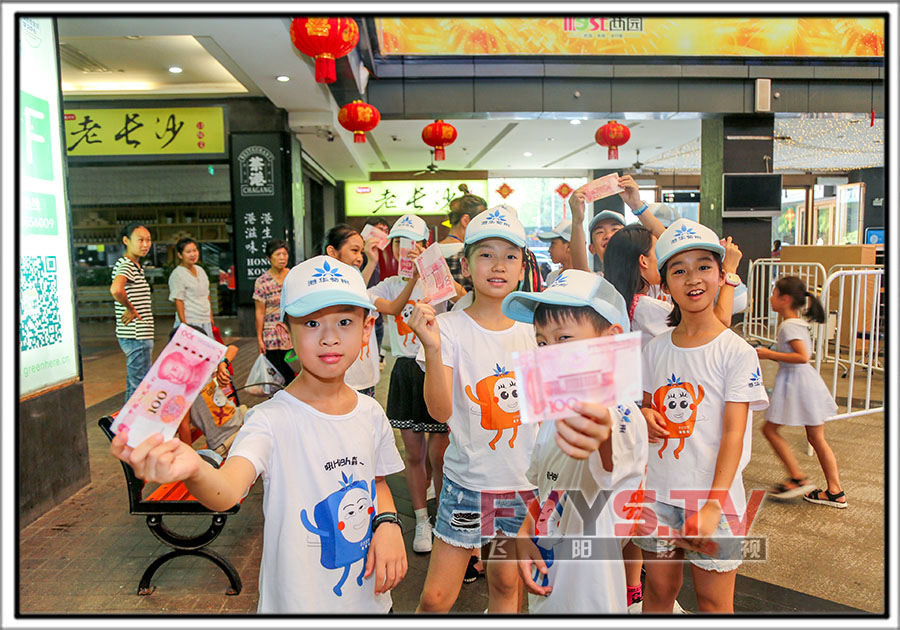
[(701, 382)]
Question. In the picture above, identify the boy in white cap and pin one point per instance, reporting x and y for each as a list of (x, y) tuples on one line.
[(323, 451), (701, 384), (469, 385), (560, 250), (600, 449)]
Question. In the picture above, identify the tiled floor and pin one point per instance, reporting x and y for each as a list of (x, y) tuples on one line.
[(86, 555)]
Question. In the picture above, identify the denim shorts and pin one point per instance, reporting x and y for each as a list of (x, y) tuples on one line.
[(461, 522), (726, 557)]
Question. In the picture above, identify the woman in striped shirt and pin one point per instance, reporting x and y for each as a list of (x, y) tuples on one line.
[(134, 314)]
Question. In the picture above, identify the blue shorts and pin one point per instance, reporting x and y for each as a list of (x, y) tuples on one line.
[(725, 557), (472, 518)]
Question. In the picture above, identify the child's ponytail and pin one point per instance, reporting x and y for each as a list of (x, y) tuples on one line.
[(794, 287)]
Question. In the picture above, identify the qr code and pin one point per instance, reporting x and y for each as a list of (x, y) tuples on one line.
[(39, 325)]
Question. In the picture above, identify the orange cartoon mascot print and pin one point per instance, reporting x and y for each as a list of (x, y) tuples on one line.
[(403, 329), (499, 401), (678, 404)]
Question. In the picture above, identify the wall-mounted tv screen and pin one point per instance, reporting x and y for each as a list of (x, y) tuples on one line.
[(751, 194)]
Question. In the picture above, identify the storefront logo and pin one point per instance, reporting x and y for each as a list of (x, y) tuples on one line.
[(256, 172), (602, 26)]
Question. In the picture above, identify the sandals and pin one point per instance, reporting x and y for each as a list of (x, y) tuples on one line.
[(472, 573), (831, 499), (801, 486)]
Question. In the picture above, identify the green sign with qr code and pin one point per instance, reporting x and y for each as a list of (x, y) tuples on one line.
[(39, 214)]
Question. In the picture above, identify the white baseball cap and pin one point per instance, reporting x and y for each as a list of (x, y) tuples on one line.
[(321, 282), (563, 231), (572, 287), (410, 226), (666, 214), (498, 222), (603, 216), (683, 235)]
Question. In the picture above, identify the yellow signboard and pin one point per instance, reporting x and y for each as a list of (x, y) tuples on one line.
[(393, 197), (634, 35), (143, 131)]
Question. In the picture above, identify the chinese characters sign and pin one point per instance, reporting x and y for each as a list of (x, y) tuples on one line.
[(139, 131), (413, 196), (618, 34), (258, 197)]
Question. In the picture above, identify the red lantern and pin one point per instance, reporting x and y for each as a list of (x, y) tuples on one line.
[(612, 135), (359, 118), (325, 39), (438, 135)]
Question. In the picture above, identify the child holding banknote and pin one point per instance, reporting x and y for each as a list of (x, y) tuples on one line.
[(469, 386), (701, 382), (323, 451), (602, 449), (406, 409)]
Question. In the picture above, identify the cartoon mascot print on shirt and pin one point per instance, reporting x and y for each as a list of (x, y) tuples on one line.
[(344, 525), (678, 404), (403, 329), (499, 402)]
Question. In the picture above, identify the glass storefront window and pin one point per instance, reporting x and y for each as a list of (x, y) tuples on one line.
[(786, 227)]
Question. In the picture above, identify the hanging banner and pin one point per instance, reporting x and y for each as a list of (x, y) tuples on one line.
[(259, 203), (142, 131), (413, 196), (634, 35)]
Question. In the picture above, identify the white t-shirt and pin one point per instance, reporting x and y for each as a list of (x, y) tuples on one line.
[(364, 372), (404, 342), (489, 448), (319, 475), (690, 387), (650, 317), (588, 586), (194, 292)]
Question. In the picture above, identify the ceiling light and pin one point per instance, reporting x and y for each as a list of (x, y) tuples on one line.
[(528, 154), (575, 121), (283, 78), (549, 139), (175, 70)]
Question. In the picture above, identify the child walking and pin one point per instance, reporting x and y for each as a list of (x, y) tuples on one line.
[(701, 382), (800, 397), (602, 449), (468, 385), (323, 451), (406, 409)]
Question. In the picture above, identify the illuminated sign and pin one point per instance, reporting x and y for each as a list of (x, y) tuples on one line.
[(46, 343), (142, 131), (393, 197), (634, 35)]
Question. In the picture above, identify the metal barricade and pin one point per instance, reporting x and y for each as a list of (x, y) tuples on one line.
[(760, 321), (850, 344)]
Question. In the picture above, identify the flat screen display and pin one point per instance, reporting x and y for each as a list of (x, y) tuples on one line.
[(751, 194)]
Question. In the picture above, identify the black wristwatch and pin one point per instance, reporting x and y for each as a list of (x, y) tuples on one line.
[(386, 517)]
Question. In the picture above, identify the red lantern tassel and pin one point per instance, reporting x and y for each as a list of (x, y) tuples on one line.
[(438, 153), (613, 153), (325, 70), (359, 136)]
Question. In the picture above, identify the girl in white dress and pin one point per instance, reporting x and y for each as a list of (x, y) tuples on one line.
[(800, 397)]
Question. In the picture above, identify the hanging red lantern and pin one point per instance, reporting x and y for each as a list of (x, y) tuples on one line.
[(325, 39), (438, 135), (612, 135), (359, 118)]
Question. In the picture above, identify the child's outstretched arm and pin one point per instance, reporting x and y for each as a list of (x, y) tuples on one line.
[(528, 555), (578, 242), (580, 436), (165, 462), (438, 377), (703, 523), (725, 300), (395, 306), (387, 554), (799, 354), (632, 196)]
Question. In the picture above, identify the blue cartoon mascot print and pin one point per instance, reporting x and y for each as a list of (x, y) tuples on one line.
[(546, 529), (344, 525)]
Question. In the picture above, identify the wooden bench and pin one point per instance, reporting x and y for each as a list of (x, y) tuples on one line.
[(174, 499)]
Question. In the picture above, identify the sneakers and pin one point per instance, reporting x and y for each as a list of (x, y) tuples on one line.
[(422, 541)]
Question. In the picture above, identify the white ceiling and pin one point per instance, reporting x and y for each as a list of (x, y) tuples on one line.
[(242, 56)]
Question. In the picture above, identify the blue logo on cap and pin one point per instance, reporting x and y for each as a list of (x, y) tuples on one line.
[(327, 272), (684, 232), (496, 217), (561, 281), (406, 221)]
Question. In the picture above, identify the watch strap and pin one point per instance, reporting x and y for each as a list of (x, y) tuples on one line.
[(386, 517), (640, 210)]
